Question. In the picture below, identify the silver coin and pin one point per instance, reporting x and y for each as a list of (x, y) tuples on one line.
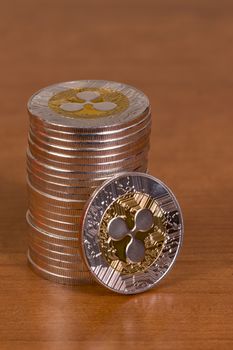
[(53, 228), (131, 232), (60, 187), (78, 176), (64, 271), (111, 129), (52, 253), (74, 264), (54, 209), (56, 240), (44, 212), (89, 149), (96, 173), (62, 202), (99, 153), (58, 191), (82, 184), (57, 224), (93, 168), (81, 133), (98, 140), (91, 145), (49, 219), (88, 104), (56, 205), (91, 162), (67, 237), (83, 158), (85, 165), (120, 133), (39, 166), (50, 175), (54, 248), (52, 244), (82, 278), (131, 140)]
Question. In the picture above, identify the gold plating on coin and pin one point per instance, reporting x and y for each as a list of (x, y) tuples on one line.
[(154, 238), (88, 102)]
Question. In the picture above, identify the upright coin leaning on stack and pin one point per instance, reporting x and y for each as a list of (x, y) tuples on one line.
[(81, 134)]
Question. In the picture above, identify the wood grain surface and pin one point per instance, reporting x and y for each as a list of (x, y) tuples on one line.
[(180, 53)]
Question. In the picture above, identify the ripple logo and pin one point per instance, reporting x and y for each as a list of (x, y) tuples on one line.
[(88, 97), (118, 229), (88, 102)]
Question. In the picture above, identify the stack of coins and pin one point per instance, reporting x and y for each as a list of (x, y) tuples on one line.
[(81, 134)]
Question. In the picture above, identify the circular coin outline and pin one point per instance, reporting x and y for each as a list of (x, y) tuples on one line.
[(95, 208), (38, 104)]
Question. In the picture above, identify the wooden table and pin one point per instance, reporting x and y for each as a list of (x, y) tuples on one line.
[(180, 53)]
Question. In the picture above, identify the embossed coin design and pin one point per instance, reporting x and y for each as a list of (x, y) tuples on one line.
[(97, 104), (131, 232), (88, 102)]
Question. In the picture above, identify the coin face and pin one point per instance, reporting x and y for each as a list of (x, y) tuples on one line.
[(88, 104), (131, 232)]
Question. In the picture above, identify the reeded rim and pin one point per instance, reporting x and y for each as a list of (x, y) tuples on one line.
[(107, 152), (83, 277), (67, 132), (81, 142), (52, 238)]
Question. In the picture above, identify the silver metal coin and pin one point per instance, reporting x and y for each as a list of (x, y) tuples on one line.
[(47, 219), (91, 145), (70, 219), (105, 130), (54, 254), (41, 167), (46, 183), (51, 222), (54, 209), (81, 142), (108, 153), (56, 201), (84, 165), (119, 133), (58, 191), (84, 158), (81, 278), (81, 134), (89, 149), (47, 258), (95, 103), (51, 241), (59, 187), (131, 232), (64, 271), (55, 250), (51, 228), (82, 184)]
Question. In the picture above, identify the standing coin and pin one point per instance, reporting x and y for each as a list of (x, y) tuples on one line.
[(131, 232)]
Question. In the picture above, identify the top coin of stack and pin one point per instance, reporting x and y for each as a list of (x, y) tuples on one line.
[(81, 134)]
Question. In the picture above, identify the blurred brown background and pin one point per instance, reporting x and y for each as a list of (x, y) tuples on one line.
[(179, 52)]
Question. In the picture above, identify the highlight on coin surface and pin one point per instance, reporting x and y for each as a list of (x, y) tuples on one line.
[(131, 232)]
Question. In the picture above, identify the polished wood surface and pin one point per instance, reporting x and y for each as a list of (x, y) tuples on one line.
[(180, 53)]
